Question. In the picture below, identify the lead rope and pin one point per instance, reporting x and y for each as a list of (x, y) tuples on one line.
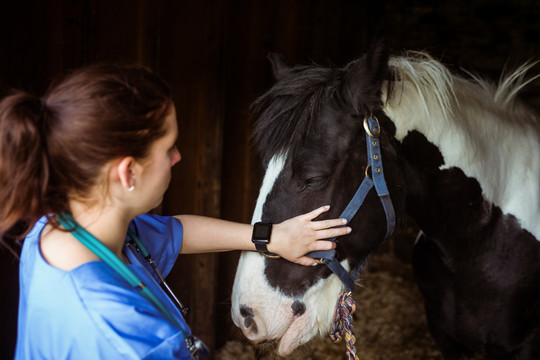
[(342, 325)]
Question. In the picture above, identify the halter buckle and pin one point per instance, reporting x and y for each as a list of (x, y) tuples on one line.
[(371, 126)]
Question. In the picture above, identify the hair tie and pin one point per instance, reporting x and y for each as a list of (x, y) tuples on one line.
[(42, 118)]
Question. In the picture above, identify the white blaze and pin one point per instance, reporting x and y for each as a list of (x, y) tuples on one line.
[(273, 313), (275, 166)]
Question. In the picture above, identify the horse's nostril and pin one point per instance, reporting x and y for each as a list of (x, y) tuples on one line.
[(248, 315), (248, 321), (246, 311), (298, 308), (250, 324)]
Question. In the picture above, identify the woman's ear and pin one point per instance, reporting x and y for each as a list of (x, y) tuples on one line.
[(125, 170)]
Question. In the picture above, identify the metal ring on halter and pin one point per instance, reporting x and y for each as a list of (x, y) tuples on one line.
[(367, 169), (377, 129), (320, 261)]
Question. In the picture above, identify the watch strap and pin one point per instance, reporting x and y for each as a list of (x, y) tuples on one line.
[(263, 250)]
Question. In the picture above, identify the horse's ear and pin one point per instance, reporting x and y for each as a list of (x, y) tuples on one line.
[(363, 78), (280, 66)]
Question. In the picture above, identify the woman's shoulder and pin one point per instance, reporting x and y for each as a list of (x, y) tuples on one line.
[(162, 235), (157, 224), (50, 250), (63, 251)]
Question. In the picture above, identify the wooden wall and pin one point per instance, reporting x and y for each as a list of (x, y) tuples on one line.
[(213, 53)]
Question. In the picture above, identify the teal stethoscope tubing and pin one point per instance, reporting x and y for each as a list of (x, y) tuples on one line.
[(104, 253), (139, 246)]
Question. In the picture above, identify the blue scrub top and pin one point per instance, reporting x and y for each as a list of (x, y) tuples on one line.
[(91, 312)]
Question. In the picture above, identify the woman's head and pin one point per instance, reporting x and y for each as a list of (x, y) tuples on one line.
[(57, 146)]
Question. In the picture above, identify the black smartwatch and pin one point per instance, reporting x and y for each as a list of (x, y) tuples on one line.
[(261, 238)]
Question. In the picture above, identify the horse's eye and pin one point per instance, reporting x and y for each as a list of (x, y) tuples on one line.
[(314, 182)]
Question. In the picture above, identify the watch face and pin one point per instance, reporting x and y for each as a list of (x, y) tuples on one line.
[(261, 231)]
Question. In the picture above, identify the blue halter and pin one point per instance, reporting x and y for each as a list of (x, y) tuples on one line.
[(329, 257)]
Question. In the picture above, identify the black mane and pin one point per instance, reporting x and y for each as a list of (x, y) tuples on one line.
[(286, 111)]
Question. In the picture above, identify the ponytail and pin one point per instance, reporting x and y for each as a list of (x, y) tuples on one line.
[(24, 169), (54, 151)]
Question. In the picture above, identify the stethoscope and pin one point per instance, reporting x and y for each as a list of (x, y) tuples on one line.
[(195, 346)]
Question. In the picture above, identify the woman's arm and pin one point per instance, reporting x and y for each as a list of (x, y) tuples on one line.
[(291, 239)]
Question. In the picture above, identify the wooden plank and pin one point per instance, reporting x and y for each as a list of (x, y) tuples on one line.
[(30, 57), (190, 59)]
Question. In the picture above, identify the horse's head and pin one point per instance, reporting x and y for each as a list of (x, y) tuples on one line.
[(312, 139)]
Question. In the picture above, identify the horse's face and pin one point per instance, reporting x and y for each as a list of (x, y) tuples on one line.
[(312, 139)]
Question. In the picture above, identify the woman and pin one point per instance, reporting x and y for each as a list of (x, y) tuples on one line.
[(83, 165)]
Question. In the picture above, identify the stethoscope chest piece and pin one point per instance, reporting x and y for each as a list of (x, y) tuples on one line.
[(196, 347)]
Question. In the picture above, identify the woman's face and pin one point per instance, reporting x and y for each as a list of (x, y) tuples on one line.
[(156, 173)]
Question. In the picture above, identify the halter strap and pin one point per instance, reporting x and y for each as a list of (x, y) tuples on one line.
[(329, 257)]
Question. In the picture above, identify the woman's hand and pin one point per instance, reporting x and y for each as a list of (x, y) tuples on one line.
[(294, 238)]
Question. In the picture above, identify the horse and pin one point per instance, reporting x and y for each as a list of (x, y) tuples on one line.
[(458, 155)]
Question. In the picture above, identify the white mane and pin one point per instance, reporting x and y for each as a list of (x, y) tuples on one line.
[(478, 126)]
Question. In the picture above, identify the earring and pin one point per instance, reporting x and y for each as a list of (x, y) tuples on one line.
[(132, 187)]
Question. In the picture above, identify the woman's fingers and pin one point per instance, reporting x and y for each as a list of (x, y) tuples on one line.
[(322, 245), (333, 232), (313, 214), (322, 224), (295, 237), (306, 261), (325, 224), (319, 245)]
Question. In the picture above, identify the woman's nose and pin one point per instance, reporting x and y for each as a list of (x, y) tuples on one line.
[(176, 157)]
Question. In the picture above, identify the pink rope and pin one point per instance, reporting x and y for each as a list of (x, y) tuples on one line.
[(342, 325)]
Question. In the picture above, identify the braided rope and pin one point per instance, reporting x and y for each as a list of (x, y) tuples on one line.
[(342, 325)]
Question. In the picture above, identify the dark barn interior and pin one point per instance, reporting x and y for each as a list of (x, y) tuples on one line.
[(213, 54)]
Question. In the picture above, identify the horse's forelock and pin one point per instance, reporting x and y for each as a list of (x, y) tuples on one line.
[(285, 112)]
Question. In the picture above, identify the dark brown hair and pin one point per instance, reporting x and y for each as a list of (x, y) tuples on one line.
[(57, 145)]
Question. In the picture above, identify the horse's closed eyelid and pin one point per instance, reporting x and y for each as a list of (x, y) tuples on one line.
[(314, 182)]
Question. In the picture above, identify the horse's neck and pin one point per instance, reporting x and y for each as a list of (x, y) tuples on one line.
[(469, 130)]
